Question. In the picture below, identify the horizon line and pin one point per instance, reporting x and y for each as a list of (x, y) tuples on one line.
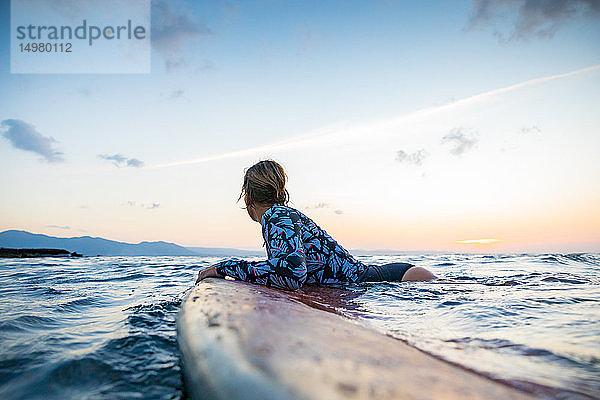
[(478, 251)]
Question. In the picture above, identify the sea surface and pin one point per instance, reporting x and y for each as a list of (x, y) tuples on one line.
[(104, 327)]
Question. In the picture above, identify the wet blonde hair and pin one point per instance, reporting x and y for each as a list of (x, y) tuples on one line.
[(264, 183)]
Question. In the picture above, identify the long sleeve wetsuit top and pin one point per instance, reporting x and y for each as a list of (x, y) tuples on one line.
[(298, 251)]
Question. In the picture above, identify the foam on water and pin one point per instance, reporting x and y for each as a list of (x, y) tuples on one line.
[(105, 326)]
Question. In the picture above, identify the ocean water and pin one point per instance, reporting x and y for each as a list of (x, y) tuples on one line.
[(104, 327)]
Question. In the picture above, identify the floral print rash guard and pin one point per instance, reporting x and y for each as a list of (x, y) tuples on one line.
[(298, 252)]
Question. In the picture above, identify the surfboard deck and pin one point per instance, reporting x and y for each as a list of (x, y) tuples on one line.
[(245, 341)]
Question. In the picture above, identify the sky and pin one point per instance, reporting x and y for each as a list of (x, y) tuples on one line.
[(468, 126)]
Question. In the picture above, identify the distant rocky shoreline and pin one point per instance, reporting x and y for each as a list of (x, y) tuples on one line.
[(31, 253)]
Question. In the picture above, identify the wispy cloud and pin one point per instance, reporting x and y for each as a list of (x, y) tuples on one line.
[(174, 63), (531, 130), (135, 163), (175, 94), (538, 18), (460, 141), (24, 136), (64, 227), (415, 158), (133, 203), (318, 205), (342, 130), (322, 205), (118, 160)]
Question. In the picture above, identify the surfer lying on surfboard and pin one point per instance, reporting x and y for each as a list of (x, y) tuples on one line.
[(298, 250)]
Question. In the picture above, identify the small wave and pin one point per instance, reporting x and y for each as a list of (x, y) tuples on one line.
[(89, 370), (464, 278), (139, 365), (550, 258), (16, 365), (586, 258), (565, 280), (166, 305), (53, 291), (130, 277), (151, 360), (494, 344), (27, 322), (450, 303), (154, 316), (562, 300), (77, 305), (509, 282)]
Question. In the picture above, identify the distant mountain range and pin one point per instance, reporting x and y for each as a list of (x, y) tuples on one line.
[(94, 246)]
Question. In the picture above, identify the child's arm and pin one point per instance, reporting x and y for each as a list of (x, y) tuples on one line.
[(286, 266)]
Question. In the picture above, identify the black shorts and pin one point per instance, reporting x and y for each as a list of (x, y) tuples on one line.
[(392, 272)]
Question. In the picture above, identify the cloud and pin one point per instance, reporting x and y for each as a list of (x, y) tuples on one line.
[(175, 94), (170, 29), (459, 142), (415, 158), (173, 63), (133, 203), (24, 136), (135, 163), (318, 205), (531, 129), (65, 227), (540, 18), (119, 160), (323, 205)]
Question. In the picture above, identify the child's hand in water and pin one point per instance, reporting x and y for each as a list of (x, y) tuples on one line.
[(207, 273)]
